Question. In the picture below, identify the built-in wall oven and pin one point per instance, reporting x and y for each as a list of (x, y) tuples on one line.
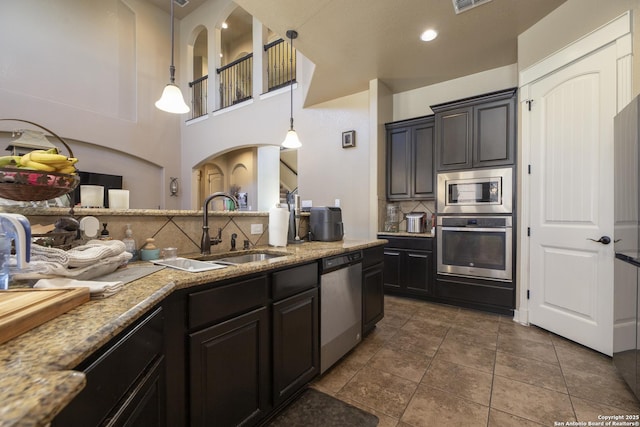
[(475, 224), (475, 246)]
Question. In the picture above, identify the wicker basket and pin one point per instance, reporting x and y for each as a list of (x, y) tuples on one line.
[(31, 185)]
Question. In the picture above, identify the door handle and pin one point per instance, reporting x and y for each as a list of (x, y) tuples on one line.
[(605, 240)]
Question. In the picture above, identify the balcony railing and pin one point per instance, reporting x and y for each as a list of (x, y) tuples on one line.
[(280, 70), (236, 81), (236, 78), (199, 97)]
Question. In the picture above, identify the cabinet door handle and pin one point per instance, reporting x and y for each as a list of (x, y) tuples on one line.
[(417, 255)]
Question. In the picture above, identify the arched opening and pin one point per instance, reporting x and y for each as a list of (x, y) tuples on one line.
[(236, 71), (253, 171), (199, 82)]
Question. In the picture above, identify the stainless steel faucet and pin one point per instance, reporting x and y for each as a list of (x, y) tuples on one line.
[(205, 244)]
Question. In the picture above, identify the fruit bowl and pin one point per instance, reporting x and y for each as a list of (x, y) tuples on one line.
[(31, 185)]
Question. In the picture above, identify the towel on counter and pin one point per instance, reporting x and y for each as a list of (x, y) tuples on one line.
[(47, 269), (44, 253), (97, 290), (94, 250), (80, 256)]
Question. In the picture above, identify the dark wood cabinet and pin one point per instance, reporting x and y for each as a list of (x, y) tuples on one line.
[(408, 266), (410, 151), (251, 343), (229, 353), (125, 380), (453, 136), (372, 287), (296, 336), (229, 371), (296, 333), (476, 132), (480, 294)]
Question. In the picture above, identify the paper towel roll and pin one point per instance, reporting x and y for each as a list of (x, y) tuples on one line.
[(278, 226)]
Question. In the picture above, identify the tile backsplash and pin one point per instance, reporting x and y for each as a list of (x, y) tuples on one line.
[(406, 207), (180, 229)]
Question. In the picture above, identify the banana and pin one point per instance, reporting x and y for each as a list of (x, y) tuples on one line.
[(9, 160), (69, 170), (42, 160), (42, 156), (37, 165)]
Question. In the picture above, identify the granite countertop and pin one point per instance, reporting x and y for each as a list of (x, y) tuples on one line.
[(77, 211), (37, 378)]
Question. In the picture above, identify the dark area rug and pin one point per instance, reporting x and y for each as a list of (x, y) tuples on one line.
[(316, 409)]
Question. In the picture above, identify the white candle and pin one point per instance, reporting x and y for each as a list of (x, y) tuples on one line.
[(92, 196), (118, 199)]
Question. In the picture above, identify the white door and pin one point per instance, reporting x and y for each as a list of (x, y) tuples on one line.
[(215, 179), (571, 200)]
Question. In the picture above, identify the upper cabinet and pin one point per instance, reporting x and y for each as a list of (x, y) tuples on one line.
[(410, 151), (476, 132)]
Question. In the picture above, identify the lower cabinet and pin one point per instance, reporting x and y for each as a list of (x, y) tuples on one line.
[(251, 344), (408, 266), (229, 371), (125, 381), (296, 336), (222, 354), (372, 287)]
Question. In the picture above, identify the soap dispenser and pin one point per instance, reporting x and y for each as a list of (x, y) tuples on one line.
[(104, 234), (130, 243)]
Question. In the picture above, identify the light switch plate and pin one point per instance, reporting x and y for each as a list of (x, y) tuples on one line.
[(256, 228)]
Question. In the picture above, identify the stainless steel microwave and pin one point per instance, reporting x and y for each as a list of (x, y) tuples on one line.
[(475, 191)]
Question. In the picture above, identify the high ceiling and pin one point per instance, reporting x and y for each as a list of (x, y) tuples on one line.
[(352, 42)]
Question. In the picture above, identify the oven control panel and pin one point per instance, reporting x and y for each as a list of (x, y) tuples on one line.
[(476, 221)]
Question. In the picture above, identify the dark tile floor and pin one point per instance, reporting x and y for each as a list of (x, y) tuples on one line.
[(427, 364)]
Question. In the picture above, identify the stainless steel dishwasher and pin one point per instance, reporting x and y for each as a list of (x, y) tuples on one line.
[(340, 306)]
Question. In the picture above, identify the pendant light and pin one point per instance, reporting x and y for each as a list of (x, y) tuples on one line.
[(291, 140), (171, 100)]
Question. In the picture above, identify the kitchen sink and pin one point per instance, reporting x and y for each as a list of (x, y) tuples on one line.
[(191, 265), (245, 258)]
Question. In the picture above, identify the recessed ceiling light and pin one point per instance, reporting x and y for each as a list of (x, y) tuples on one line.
[(428, 35), (225, 25)]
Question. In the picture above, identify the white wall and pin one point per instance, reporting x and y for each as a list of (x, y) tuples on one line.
[(91, 71), (416, 103), (327, 171)]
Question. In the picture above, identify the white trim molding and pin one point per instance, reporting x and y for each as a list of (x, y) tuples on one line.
[(614, 31)]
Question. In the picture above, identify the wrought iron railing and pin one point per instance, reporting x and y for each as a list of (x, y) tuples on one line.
[(280, 70), (236, 81), (199, 97), (236, 78)]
